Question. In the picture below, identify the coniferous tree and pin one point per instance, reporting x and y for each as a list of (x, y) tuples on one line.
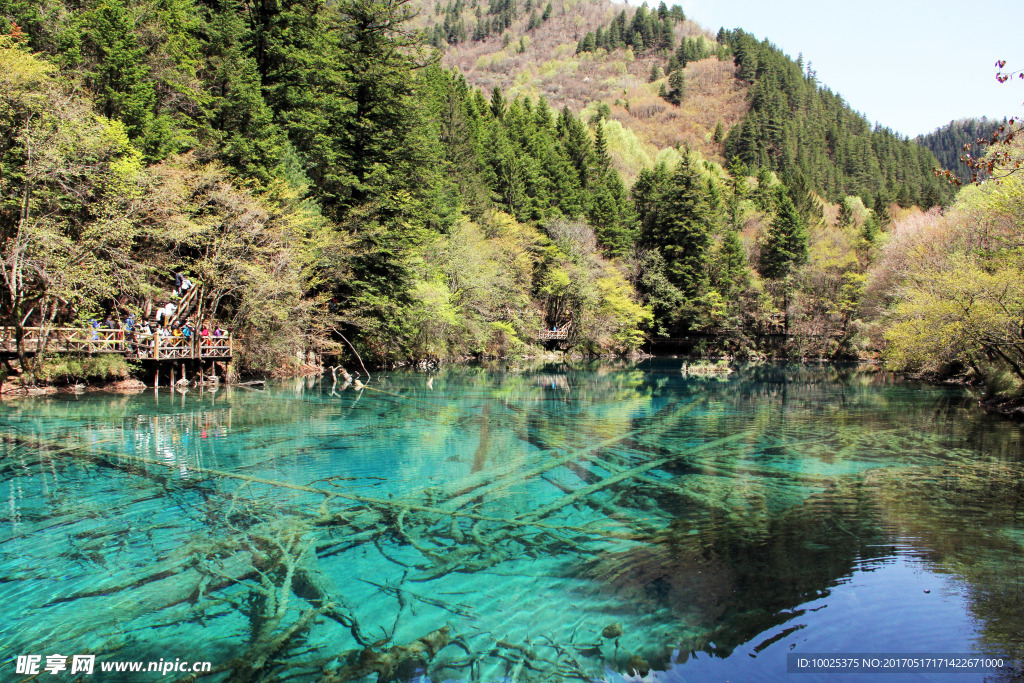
[(718, 134), (845, 212), (498, 103), (677, 87), (795, 126), (246, 133), (121, 75), (588, 44), (785, 245), (880, 207), (731, 270), (680, 229), (601, 158)]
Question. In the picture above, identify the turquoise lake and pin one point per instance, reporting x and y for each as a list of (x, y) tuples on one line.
[(607, 521)]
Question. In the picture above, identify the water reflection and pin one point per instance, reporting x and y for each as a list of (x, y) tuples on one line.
[(552, 522)]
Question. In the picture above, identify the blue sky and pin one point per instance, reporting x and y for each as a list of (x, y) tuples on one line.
[(911, 65)]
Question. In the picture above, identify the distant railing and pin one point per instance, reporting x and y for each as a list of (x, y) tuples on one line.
[(545, 335), (105, 340)]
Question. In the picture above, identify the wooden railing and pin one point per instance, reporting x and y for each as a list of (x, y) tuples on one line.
[(184, 307), (100, 340), (164, 347), (545, 335)]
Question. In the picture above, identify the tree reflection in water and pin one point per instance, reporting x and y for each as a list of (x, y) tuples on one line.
[(534, 523)]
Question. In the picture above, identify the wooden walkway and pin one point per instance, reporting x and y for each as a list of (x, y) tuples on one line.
[(547, 335), (136, 346)]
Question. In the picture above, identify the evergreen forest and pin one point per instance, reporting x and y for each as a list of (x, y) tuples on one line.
[(336, 180)]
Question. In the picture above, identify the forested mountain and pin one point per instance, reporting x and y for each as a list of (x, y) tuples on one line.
[(326, 173), (950, 142), (795, 126)]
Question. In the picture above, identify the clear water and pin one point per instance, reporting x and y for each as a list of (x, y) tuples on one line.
[(512, 518)]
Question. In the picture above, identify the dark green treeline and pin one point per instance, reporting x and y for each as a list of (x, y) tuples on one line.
[(317, 172), (795, 126), (951, 142)]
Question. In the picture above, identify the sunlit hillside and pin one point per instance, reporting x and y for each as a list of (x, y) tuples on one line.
[(543, 61)]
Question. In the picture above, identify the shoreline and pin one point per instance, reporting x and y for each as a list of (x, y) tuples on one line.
[(1009, 408)]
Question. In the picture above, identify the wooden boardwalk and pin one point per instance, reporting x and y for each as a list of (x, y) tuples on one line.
[(90, 341)]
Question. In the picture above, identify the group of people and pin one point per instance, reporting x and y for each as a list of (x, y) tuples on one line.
[(145, 334)]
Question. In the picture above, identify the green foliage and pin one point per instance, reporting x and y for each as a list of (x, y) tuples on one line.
[(950, 142), (676, 87), (644, 32), (67, 181), (679, 226), (88, 368), (959, 289), (120, 76), (316, 172), (794, 126), (785, 245)]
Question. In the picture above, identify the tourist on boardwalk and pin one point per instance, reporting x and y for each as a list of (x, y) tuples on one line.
[(166, 313), (186, 285)]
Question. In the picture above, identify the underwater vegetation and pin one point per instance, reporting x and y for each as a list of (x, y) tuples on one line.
[(531, 524)]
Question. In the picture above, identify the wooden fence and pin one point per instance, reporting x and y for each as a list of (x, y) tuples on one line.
[(132, 345)]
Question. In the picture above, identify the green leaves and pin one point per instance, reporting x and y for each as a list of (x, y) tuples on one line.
[(785, 245)]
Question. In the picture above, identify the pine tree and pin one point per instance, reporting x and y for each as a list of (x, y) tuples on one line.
[(248, 138), (845, 213), (718, 134), (121, 76), (677, 87), (498, 103), (732, 272), (588, 44), (880, 207), (602, 160), (547, 12), (680, 229), (785, 245)]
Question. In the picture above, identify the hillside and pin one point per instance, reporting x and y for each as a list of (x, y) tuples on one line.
[(550, 67), (950, 142), (741, 97), (321, 175)]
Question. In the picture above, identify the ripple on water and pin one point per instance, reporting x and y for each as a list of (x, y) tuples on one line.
[(825, 511)]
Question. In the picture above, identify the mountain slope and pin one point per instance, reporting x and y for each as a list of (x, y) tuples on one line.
[(948, 142), (549, 67), (774, 113)]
